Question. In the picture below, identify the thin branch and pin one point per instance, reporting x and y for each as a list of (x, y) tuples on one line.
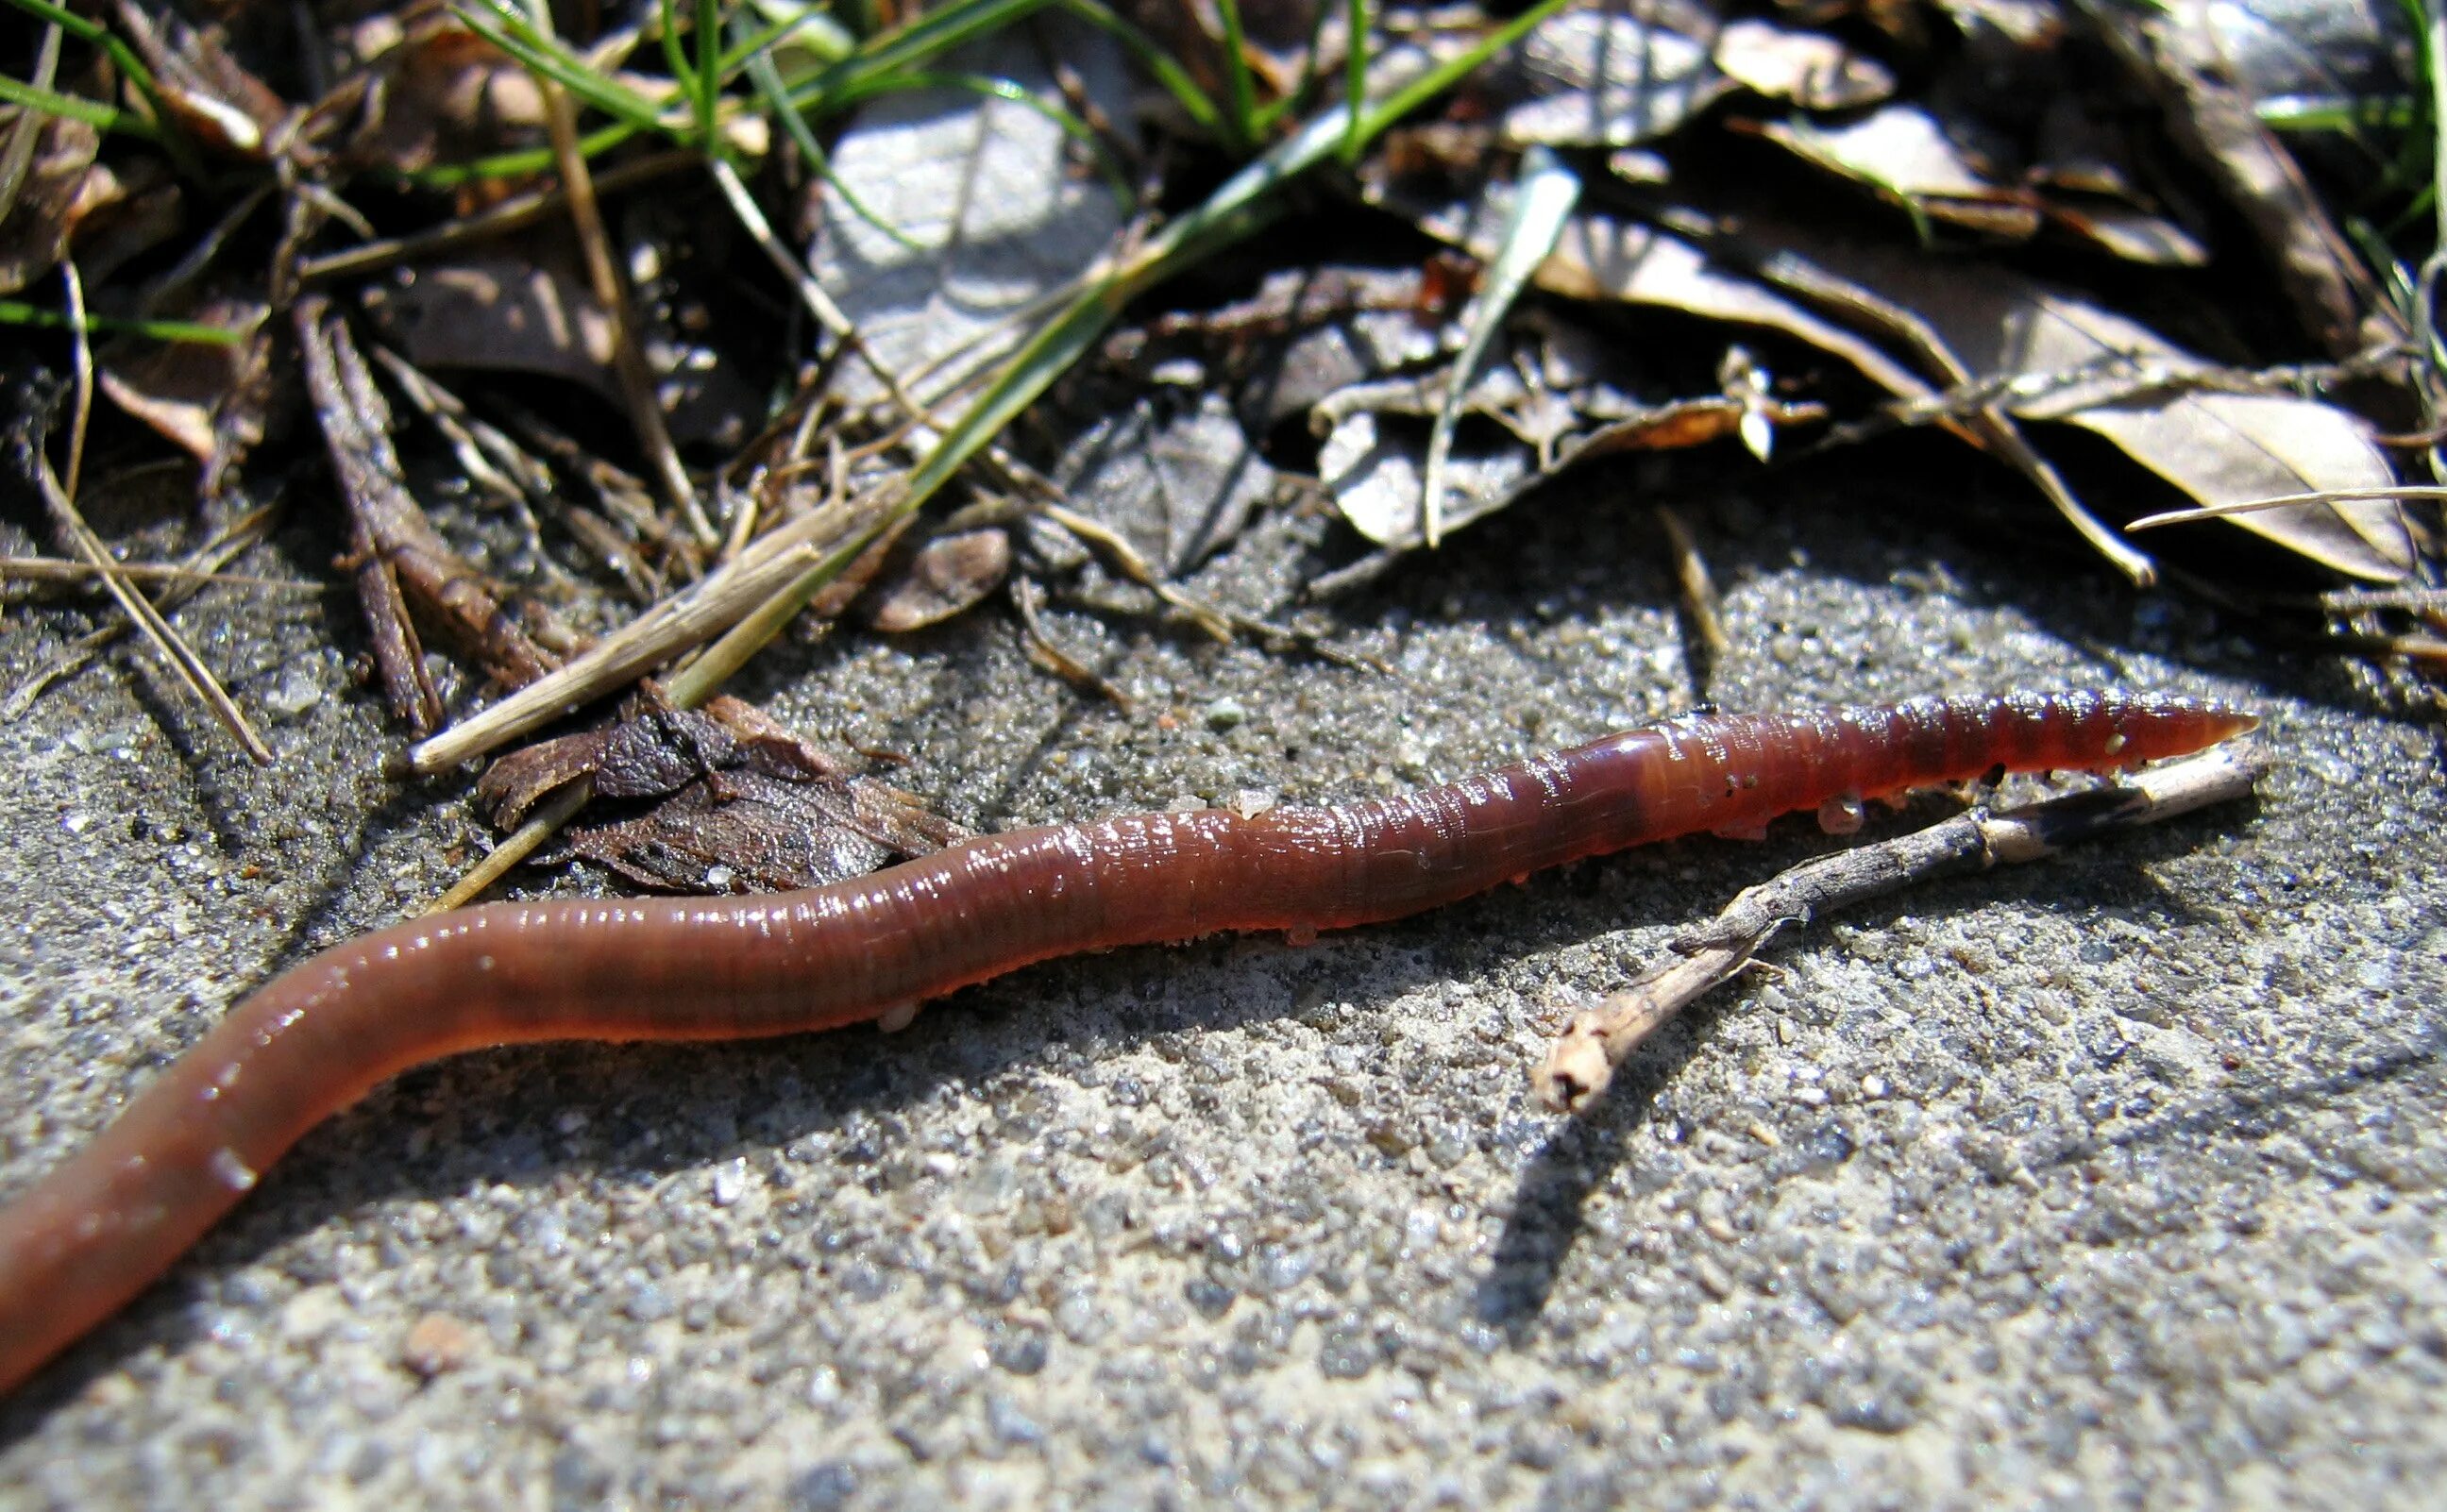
[(1582, 1062)]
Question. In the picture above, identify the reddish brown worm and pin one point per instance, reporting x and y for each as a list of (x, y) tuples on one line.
[(102, 1226)]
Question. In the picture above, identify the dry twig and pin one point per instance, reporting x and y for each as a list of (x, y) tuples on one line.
[(394, 549), (1582, 1062)]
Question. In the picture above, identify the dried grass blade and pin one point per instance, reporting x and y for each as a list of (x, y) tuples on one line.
[(1543, 203)]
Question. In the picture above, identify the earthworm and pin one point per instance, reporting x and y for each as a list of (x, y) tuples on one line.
[(111, 1218)]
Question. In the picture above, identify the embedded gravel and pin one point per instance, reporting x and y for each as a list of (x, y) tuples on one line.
[(2114, 1181)]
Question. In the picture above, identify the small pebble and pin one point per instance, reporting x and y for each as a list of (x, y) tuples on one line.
[(297, 692), (436, 1343)]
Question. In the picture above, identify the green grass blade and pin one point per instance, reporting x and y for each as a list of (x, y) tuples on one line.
[(709, 73), (17, 312), (1355, 82), (121, 56), (1166, 69), (545, 56), (667, 28), (76, 107), (914, 45), (1445, 75), (524, 163), (808, 25), (1240, 89), (767, 79)]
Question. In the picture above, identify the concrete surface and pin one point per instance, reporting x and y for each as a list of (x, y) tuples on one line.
[(2113, 1182)]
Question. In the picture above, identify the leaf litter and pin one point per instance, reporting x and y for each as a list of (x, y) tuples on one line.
[(812, 275)]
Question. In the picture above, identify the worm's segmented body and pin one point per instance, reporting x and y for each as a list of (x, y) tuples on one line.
[(107, 1222)]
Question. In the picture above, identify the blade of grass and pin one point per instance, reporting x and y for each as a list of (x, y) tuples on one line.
[(767, 79), (1443, 75), (17, 312), (60, 498), (611, 290), (1355, 82), (1166, 69), (539, 53), (524, 164), (84, 28), (709, 73), (814, 30), (121, 56), (1240, 89), (913, 43), (1542, 201), (1297, 98), (667, 28), (76, 107), (231, 543), (516, 213)]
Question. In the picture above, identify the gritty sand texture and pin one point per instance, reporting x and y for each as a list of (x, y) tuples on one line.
[(2111, 1182)]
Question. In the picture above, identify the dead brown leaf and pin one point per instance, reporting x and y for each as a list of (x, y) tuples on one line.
[(1815, 71), (1608, 259), (1904, 154), (2076, 362), (722, 799), (180, 387), (1901, 152), (1610, 79), (503, 312), (61, 184), (211, 97), (2173, 48), (440, 94), (1178, 481), (944, 577)]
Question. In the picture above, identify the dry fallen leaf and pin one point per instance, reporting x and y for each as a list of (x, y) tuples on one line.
[(1609, 80), (2218, 448), (61, 184), (718, 800), (1904, 154), (212, 96), (1901, 153), (986, 209), (1813, 71), (1178, 486), (946, 576), (2174, 48), (182, 388), (440, 94), (500, 313), (1609, 258)]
